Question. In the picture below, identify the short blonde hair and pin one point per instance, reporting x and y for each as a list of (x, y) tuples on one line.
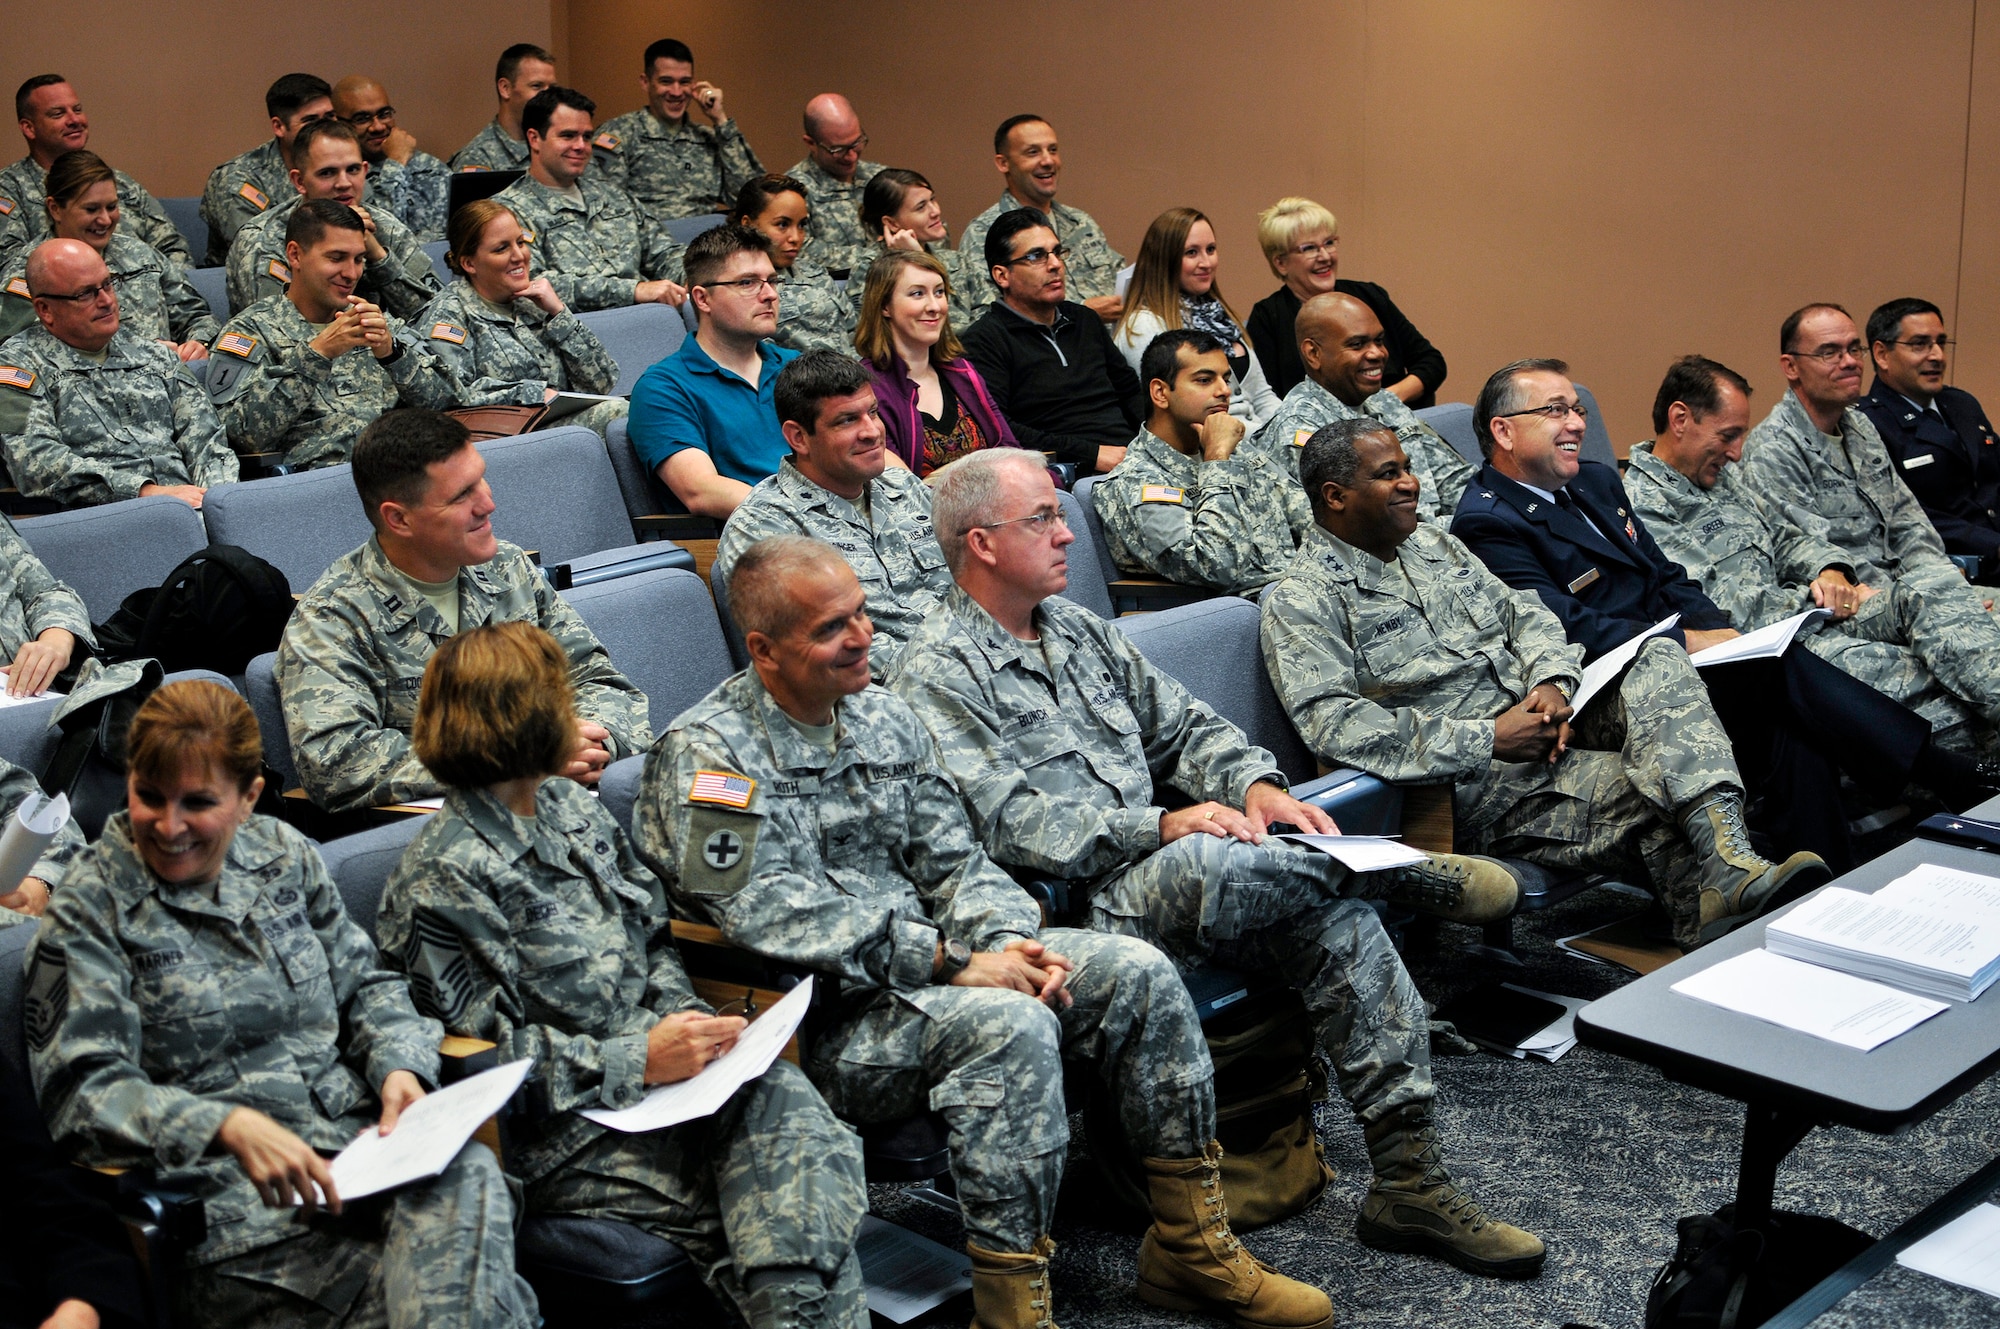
[(1280, 226), (496, 705)]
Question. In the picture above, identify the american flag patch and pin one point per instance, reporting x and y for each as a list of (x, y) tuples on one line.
[(15, 377), (731, 791), (1161, 494), (450, 332), (19, 286), (236, 344), (6, 207), (606, 140), (255, 195), (277, 269)]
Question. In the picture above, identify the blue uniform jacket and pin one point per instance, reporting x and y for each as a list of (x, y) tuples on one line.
[(1952, 465)]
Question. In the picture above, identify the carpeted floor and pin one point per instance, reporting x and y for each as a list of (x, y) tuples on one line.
[(1596, 1154)]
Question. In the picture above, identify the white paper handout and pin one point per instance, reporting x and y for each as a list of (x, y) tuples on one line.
[(428, 1135), (1612, 663), (34, 823), (565, 404), (1123, 282), (1763, 644), (907, 1274), (1361, 853), (1917, 945), (755, 1050), (45, 694), (1965, 1251), (1822, 1002)]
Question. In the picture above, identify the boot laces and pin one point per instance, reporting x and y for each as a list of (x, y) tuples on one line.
[(1456, 1202), (1039, 1299), (1218, 1212), (1736, 837)]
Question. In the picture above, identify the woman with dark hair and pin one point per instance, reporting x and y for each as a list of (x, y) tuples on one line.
[(155, 298), (934, 406), (200, 1004), (900, 209), (523, 917), (812, 312), (1174, 286)]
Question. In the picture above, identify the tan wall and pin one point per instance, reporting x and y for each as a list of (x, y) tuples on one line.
[(1614, 184), (175, 90)]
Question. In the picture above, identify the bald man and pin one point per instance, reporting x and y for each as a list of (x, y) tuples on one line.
[(1344, 351), (407, 180), (91, 413), (834, 176), (52, 122)]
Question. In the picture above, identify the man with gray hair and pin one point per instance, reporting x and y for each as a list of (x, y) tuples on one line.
[(1060, 735), (1472, 691), (801, 810)]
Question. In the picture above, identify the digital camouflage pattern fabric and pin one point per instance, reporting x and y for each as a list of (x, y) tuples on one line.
[(812, 313), (403, 282), (417, 191), (1308, 406), (24, 187), (1090, 262), (155, 298), (1231, 525), (838, 243), (241, 188), (596, 249), (499, 356), (674, 168), (492, 150)]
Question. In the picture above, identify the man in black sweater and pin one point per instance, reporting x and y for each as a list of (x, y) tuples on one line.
[(1049, 364)]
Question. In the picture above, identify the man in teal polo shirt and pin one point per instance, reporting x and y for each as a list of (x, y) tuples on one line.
[(704, 418)]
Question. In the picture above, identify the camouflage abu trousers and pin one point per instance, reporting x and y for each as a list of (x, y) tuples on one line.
[(1277, 908), (1936, 652), (771, 1182), (990, 1060), (441, 1256)]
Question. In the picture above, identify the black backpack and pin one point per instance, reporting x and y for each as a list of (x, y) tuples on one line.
[(1720, 1278), (217, 610)]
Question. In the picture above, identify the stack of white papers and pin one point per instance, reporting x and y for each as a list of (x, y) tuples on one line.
[(1611, 664), (1965, 1251), (1763, 644), (1921, 937), (1559, 1036), (1822, 1002), (1361, 853), (684, 1100)]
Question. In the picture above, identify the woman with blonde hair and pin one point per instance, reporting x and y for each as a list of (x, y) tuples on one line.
[(200, 1004), (1301, 241), (1174, 286), (934, 406)]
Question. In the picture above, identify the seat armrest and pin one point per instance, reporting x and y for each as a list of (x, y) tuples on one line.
[(1147, 595), (461, 1058), (1359, 803), (623, 561), (1967, 564)]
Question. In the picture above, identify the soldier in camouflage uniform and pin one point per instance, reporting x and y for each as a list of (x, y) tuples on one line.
[(813, 314), (1026, 154), (187, 1010), (33, 604), (1189, 502), (837, 487), (835, 176), (306, 371), (1938, 655), (803, 812), (249, 184), (156, 301), (1340, 342), (57, 125), (354, 652), (523, 917), (407, 180), (1060, 735), (91, 413), (670, 165), (491, 149), (521, 74), (1394, 650)]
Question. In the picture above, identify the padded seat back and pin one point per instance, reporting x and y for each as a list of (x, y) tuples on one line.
[(1453, 422), (1211, 648), (684, 229), (661, 632), (107, 552), (1088, 585), (638, 337), (555, 492), (299, 523), (260, 689), (26, 738), (1596, 434), (360, 866), (644, 494), (436, 250), (213, 283), (1085, 491), (185, 214)]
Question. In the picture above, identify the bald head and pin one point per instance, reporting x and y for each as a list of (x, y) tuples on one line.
[(354, 85), (832, 123), (60, 268), (1341, 346), (364, 103)]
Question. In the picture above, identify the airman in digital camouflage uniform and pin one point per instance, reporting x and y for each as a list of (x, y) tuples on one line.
[(54, 124), (1937, 654), (803, 811), (1059, 734), (409, 181), (398, 276), (91, 413), (1026, 154), (813, 314), (212, 1014), (1391, 645), (156, 300), (249, 184), (590, 240), (353, 655), (305, 372), (838, 487), (1190, 502), (521, 73), (523, 917), (1342, 347), (835, 175), (41, 618), (670, 165)]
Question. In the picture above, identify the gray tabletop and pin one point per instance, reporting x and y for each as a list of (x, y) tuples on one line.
[(1887, 1090)]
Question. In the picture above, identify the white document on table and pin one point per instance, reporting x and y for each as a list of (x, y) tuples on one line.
[(1361, 853), (1764, 644), (1612, 663), (1965, 1251), (906, 1274), (428, 1135), (1944, 890), (757, 1047), (45, 694), (1945, 953), (1822, 1002)]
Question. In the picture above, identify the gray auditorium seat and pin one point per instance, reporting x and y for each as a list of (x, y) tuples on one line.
[(107, 552), (684, 229), (1090, 569), (638, 336), (648, 501), (1453, 422), (660, 629), (360, 866), (1596, 435), (300, 523), (213, 283), (25, 737), (1129, 594), (185, 214), (436, 249), (260, 689), (556, 494)]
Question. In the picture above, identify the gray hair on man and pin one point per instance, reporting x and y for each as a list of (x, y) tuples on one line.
[(966, 496), (760, 585)]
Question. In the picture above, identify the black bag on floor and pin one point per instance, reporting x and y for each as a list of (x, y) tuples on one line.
[(1720, 1278), (217, 610)]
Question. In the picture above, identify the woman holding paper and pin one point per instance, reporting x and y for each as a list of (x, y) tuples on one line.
[(199, 1003), (523, 916)]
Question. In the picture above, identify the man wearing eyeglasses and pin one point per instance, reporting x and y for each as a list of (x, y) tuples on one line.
[(705, 418), (91, 413), (1026, 154), (52, 121), (1546, 522), (1944, 447), (1346, 355), (413, 184), (835, 176)]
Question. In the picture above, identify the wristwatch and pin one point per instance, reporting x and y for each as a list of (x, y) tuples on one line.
[(957, 955)]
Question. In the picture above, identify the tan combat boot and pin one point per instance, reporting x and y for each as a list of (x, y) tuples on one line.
[(1011, 1291), (1191, 1261), (1738, 883), (1460, 888), (1415, 1205)]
